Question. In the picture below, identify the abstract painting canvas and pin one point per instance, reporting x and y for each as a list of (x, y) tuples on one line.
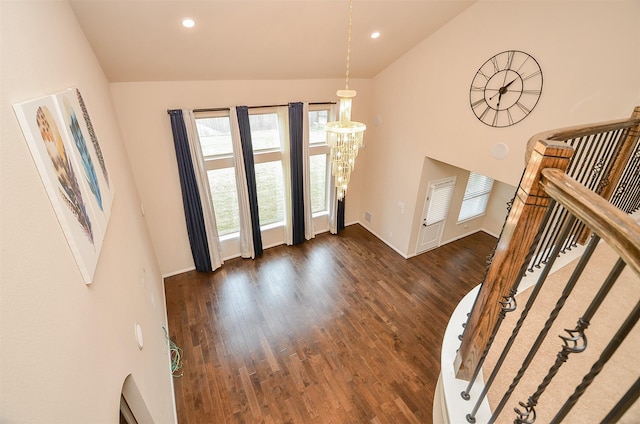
[(81, 199), (87, 156)]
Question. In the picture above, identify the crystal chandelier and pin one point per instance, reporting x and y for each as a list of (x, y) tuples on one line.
[(344, 136)]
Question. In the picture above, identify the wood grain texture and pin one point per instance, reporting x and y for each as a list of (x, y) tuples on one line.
[(340, 329), (618, 229), (518, 234)]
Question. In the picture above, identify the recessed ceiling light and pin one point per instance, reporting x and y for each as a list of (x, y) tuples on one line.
[(188, 23), (375, 35)]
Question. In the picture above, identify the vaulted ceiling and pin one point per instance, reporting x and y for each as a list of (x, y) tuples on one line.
[(143, 40)]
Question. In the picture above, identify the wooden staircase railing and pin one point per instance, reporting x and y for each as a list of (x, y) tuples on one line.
[(606, 160), (552, 198)]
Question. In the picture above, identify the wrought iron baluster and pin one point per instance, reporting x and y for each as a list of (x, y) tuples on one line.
[(509, 303), (550, 236), (633, 199), (591, 165), (595, 166), (586, 165), (626, 194), (573, 279), (523, 315), (633, 168), (576, 342), (623, 404), (613, 148), (578, 161), (490, 257), (578, 145), (600, 160), (569, 241), (606, 354)]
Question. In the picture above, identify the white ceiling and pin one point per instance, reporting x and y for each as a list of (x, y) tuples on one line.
[(143, 40)]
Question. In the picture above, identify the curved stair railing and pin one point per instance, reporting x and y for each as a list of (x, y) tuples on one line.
[(606, 160), (578, 187)]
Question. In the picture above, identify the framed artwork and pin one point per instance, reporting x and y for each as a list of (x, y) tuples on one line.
[(68, 157)]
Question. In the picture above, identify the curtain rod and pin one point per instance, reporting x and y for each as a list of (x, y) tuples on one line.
[(221, 109)]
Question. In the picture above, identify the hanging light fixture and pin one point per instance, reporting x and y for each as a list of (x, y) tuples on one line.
[(344, 136)]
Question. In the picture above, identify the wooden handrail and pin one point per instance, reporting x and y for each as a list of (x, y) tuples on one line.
[(544, 150), (615, 227), (620, 155), (569, 133)]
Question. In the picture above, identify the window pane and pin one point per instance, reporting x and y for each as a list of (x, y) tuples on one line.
[(477, 185), (317, 121), (476, 196), (215, 136), (473, 207), (318, 171), (265, 133), (439, 203), (225, 200), (269, 183)]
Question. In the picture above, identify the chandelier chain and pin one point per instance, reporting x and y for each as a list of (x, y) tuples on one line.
[(349, 44), (344, 136)]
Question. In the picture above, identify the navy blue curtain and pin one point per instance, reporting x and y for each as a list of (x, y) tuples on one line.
[(249, 166), (190, 195), (340, 215), (296, 122)]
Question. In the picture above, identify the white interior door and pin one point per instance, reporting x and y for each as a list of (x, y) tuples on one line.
[(436, 208)]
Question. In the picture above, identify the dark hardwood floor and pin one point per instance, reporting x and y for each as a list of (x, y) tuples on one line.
[(338, 330)]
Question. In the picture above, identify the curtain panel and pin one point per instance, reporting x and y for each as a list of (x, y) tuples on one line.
[(246, 233), (202, 180), (296, 124), (283, 130), (309, 229), (250, 172), (196, 193), (190, 194)]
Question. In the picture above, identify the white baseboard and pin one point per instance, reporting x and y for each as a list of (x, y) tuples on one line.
[(382, 239), (467, 235), (491, 233), (180, 271)]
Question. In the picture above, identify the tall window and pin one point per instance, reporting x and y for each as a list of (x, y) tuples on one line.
[(318, 159), (476, 197), (215, 139), (268, 135), (267, 153)]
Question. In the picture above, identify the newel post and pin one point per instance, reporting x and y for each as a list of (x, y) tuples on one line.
[(527, 212)]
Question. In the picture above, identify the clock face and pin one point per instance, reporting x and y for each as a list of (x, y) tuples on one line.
[(506, 88)]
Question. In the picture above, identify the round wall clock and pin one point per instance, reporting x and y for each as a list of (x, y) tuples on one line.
[(506, 88)]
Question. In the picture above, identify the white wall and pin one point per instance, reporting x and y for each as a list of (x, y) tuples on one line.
[(501, 195), (490, 222), (590, 56), (142, 112), (67, 347)]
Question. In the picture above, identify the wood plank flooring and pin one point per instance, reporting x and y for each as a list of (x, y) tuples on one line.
[(340, 329)]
